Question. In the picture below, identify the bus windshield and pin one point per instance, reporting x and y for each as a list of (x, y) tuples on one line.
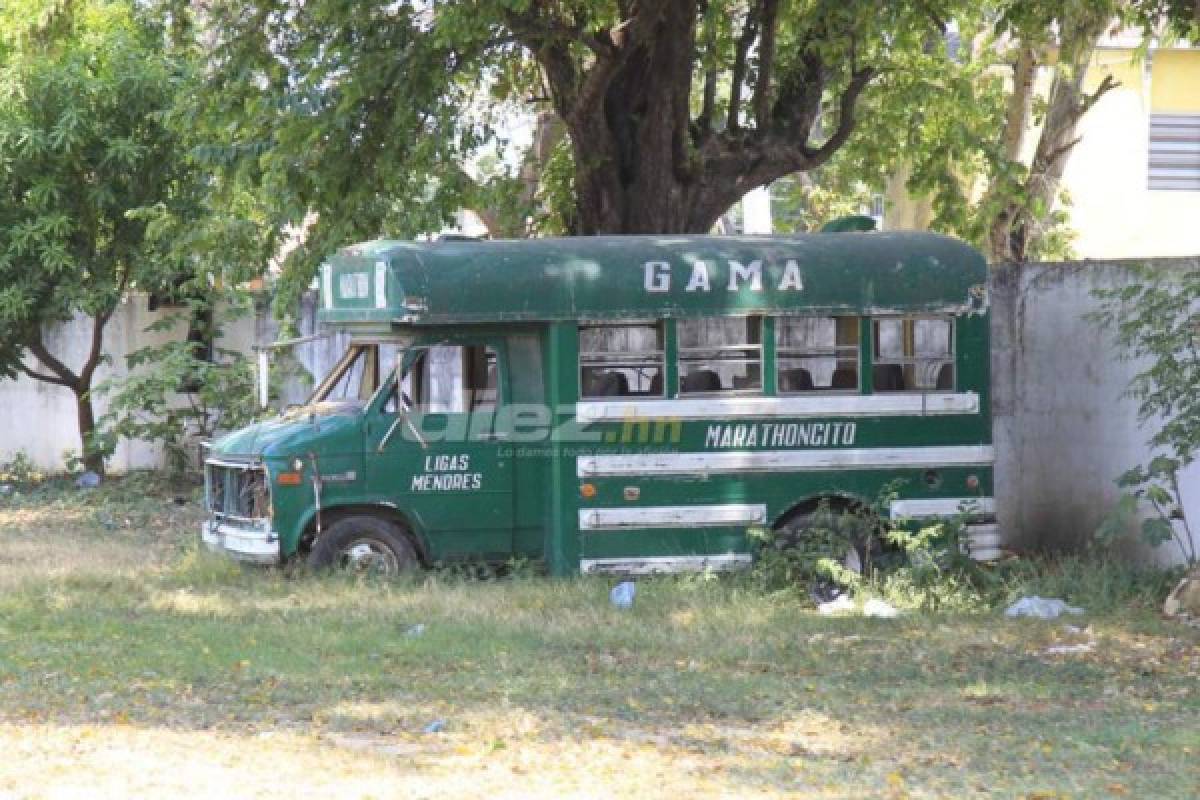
[(358, 374)]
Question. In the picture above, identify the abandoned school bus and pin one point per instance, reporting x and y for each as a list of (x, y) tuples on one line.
[(620, 404)]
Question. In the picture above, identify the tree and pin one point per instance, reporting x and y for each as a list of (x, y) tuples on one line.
[(366, 112), (83, 147), (372, 114), (985, 149)]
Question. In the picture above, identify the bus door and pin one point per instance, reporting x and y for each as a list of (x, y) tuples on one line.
[(437, 453)]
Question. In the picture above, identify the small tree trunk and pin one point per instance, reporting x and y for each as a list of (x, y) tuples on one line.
[(92, 459)]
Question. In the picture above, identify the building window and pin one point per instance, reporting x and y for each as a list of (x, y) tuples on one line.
[(1174, 152), (816, 354), (913, 355), (621, 359), (722, 354)]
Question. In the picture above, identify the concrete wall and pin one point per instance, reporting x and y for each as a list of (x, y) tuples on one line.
[(39, 419), (1064, 428)]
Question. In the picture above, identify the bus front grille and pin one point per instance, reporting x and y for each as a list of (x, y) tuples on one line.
[(236, 492)]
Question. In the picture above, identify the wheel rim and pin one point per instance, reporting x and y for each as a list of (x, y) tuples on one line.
[(368, 556)]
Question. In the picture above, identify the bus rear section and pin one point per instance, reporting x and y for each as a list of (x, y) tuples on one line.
[(713, 425)]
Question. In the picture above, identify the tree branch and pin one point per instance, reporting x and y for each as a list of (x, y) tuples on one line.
[(859, 80), (766, 65), (749, 33), (68, 378), (624, 37), (708, 104), (38, 376), (1020, 104), (1106, 85)]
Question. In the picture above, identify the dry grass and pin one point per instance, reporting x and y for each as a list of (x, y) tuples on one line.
[(132, 664)]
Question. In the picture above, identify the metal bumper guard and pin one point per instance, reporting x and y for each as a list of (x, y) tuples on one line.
[(257, 545)]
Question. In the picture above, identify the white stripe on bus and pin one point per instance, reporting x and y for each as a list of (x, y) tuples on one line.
[(651, 564), (783, 460), (941, 506), (702, 516), (833, 405)]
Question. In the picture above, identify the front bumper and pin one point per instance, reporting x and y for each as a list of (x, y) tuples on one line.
[(256, 545)]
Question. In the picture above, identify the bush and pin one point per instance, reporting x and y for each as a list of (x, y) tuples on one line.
[(21, 470), (1156, 320), (926, 569), (179, 393)]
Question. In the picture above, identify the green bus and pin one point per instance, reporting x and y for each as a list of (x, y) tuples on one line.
[(621, 404)]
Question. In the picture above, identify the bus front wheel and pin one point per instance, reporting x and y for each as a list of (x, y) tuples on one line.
[(364, 545)]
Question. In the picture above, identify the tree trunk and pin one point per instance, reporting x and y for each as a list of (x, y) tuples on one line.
[(643, 162), (86, 416), (59, 374), (1016, 228)]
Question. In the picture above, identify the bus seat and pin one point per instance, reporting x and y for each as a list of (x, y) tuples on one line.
[(888, 377), (605, 384), (945, 377), (844, 378), (701, 380), (795, 380), (656, 385), (614, 384)]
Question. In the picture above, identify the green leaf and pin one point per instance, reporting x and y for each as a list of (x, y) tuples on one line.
[(1156, 531)]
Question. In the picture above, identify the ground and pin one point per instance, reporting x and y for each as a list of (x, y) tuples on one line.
[(133, 664)]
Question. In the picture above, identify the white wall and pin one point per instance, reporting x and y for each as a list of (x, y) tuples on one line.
[(1064, 427), (39, 419)]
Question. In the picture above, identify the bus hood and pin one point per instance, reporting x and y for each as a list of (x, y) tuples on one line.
[(321, 429)]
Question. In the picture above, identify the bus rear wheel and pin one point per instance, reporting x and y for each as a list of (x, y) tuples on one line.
[(843, 533), (364, 545)]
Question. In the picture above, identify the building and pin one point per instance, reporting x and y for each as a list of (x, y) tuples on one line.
[(1134, 176)]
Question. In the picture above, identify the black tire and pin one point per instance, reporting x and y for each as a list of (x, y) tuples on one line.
[(365, 545)]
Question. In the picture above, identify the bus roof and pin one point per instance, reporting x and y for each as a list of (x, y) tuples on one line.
[(383, 283)]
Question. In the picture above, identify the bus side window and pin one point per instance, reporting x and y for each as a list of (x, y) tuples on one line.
[(816, 354), (720, 354), (451, 379), (913, 354), (621, 360)]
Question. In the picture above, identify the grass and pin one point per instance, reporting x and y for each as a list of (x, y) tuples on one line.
[(132, 663)]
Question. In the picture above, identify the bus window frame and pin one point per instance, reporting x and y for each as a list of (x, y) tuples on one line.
[(370, 352), (681, 354), (412, 358), (951, 358), (782, 354), (661, 327)]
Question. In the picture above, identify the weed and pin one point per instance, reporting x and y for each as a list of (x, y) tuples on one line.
[(22, 471)]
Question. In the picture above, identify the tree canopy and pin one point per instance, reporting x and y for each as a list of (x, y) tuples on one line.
[(672, 109), (85, 155), (374, 116)]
